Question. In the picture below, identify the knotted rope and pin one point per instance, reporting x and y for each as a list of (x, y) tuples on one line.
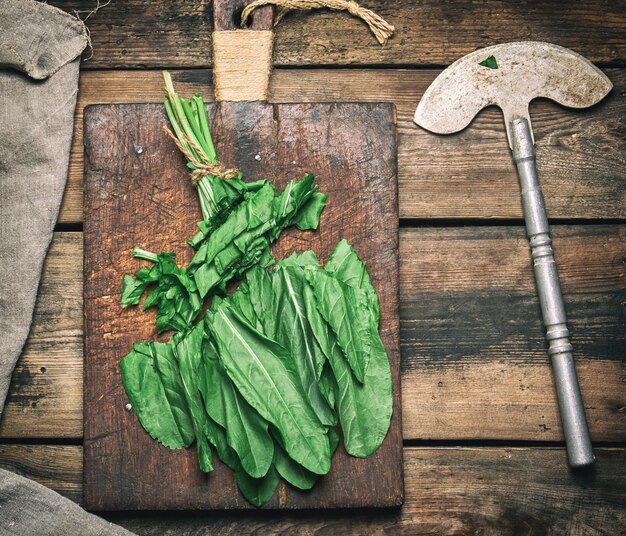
[(203, 167), (381, 29)]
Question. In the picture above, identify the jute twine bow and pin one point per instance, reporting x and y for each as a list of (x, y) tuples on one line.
[(216, 169), (381, 29)]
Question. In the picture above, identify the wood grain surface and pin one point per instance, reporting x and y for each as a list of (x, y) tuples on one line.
[(449, 491), (581, 154), (473, 353), (58, 467), (161, 33), (473, 368), (45, 395), (138, 192)]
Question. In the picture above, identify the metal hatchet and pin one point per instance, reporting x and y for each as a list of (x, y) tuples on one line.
[(510, 76)]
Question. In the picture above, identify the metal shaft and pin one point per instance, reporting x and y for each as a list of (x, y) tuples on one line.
[(571, 407)]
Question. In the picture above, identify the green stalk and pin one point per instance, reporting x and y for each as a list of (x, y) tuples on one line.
[(189, 121), (195, 128), (207, 202), (171, 115), (139, 253), (204, 126), (177, 106)]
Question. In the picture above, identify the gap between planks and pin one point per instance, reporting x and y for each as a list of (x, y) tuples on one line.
[(581, 159), (473, 352)]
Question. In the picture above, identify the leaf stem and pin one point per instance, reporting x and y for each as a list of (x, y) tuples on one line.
[(139, 253), (204, 126)]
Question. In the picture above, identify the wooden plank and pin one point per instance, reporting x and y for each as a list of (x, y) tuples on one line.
[(59, 467), (146, 198), (45, 399), (144, 33), (491, 491), (471, 324), (469, 294), (474, 367), (502, 401), (580, 153)]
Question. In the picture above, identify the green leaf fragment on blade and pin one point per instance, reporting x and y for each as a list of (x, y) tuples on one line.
[(489, 62)]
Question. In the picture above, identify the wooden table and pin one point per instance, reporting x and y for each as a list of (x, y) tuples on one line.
[(483, 442)]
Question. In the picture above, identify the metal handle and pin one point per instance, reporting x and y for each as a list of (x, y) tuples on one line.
[(571, 407)]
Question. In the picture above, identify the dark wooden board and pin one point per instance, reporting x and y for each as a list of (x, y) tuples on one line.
[(161, 33), (137, 192)]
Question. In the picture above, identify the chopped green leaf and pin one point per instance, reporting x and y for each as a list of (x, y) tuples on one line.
[(489, 62)]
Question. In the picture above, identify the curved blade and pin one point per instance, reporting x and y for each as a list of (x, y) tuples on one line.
[(526, 70)]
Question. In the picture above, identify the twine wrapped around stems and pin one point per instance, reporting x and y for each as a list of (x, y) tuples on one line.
[(203, 168), (381, 29)]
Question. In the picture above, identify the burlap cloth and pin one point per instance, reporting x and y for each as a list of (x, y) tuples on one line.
[(40, 48)]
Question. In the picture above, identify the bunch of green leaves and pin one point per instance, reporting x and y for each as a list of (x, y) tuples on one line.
[(241, 220), (244, 239), (269, 373)]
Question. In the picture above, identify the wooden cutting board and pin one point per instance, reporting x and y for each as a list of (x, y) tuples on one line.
[(138, 192)]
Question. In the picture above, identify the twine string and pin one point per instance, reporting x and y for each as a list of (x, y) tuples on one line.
[(242, 62), (381, 29), (203, 167)]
